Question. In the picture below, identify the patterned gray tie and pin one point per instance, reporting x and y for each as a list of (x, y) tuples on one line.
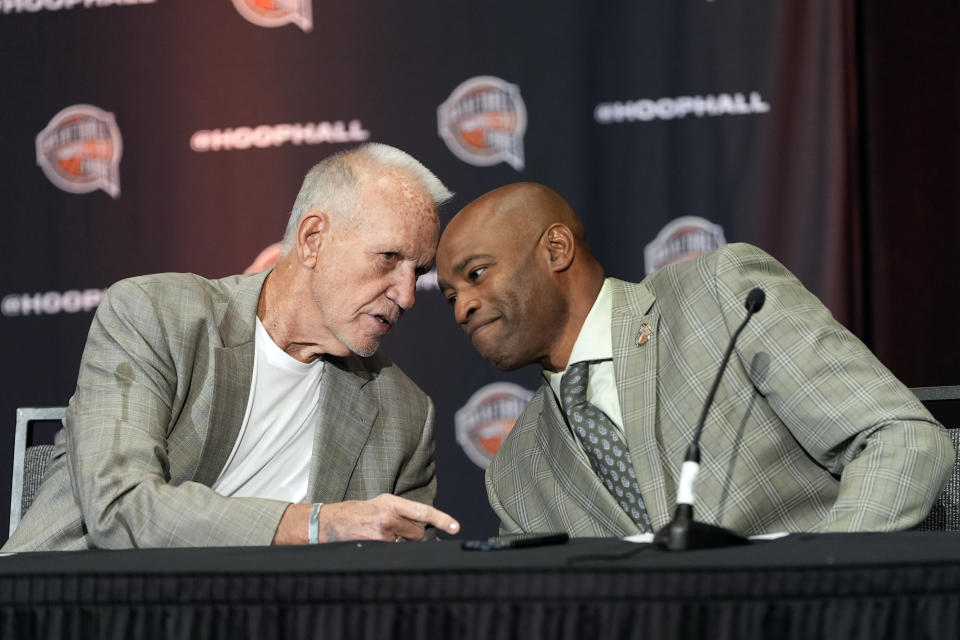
[(606, 450)]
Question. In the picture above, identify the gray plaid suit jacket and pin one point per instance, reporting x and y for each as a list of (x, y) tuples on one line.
[(160, 398), (808, 432)]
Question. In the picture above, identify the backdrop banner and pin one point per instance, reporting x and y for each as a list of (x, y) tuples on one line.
[(159, 135)]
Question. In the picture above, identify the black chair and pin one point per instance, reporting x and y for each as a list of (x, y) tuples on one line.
[(944, 404), (29, 460)]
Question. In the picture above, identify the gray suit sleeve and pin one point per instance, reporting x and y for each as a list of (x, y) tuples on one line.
[(116, 437), (418, 478), (507, 523), (845, 409)]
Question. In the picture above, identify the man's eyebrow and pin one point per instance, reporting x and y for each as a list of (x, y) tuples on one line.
[(425, 268), (460, 266)]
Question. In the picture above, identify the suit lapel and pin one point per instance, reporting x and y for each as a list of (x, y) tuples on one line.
[(345, 420), (346, 411), (575, 477), (233, 369), (635, 367), (231, 390)]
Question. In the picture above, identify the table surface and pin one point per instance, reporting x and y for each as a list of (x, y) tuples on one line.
[(911, 548), (896, 585)]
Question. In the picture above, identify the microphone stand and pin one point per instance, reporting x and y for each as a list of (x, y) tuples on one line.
[(683, 532)]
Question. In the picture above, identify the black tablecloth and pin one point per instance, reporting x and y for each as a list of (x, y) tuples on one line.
[(902, 585)]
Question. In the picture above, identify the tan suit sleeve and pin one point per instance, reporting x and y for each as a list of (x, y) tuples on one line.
[(845, 409), (116, 431), (507, 525), (418, 478)]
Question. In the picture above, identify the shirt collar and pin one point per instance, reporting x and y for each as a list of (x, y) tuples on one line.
[(595, 340)]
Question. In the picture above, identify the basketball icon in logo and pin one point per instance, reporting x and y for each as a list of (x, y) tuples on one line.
[(276, 13), (682, 239), (487, 419), (80, 150), (483, 122)]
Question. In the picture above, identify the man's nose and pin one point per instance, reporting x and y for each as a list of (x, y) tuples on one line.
[(404, 287), (464, 307)]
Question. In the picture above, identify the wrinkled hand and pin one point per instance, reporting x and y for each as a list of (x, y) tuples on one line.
[(385, 517)]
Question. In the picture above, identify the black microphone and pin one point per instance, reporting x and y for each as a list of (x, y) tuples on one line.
[(683, 532)]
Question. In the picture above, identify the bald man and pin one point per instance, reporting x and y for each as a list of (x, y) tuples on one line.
[(809, 432)]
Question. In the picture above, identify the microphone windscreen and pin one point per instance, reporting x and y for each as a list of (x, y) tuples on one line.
[(755, 300)]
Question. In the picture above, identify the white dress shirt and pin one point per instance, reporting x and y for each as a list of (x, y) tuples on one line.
[(595, 342)]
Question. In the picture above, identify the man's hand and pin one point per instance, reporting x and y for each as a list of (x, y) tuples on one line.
[(386, 517)]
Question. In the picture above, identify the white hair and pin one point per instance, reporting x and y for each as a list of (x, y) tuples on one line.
[(331, 185)]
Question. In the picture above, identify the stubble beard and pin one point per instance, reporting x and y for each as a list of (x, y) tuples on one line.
[(541, 314), (502, 353), (363, 352)]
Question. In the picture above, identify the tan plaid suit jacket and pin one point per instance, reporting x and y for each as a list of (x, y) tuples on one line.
[(808, 432), (160, 398)]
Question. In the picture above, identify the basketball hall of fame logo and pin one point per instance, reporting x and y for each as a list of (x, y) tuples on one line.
[(485, 421), (276, 13), (483, 122), (80, 150), (680, 240)]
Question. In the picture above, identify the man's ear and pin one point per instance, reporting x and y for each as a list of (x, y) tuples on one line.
[(310, 235), (560, 246)]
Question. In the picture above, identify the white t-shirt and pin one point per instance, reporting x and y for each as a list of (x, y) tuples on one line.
[(271, 457)]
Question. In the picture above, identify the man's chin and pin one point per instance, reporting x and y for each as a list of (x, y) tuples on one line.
[(503, 361), (366, 351), (362, 348)]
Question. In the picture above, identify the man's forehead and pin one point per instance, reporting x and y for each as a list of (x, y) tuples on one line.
[(400, 213), (398, 189), (454, 242), (412, 235)]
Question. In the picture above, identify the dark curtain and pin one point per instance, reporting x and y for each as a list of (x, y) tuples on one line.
[(909, 79)]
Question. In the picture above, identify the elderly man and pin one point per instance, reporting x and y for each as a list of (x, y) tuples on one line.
[(257, 409), (809, 432)]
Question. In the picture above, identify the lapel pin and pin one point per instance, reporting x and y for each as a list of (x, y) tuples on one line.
[(643, 334)]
